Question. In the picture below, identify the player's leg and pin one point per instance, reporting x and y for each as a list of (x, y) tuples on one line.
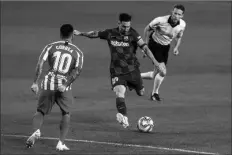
[(150, 75), (45, 103), (65, 102), (121, 116), (162, 55), (157, 82), (119, 87), (135, 81)]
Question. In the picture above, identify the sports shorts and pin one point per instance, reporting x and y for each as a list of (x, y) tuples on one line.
[(47, 99), (159, 51), (132, 80)]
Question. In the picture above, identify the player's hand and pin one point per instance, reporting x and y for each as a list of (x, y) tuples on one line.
[(160, 67), (35, 88), (62, 88), (76, 32), (175, 51)]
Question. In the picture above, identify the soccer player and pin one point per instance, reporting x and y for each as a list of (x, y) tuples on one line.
[(65, 64), (159, 34), (124, 68)]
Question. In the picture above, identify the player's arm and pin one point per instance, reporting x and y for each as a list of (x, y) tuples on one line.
[(150, 28), (147, 51), (90, 34), (39, 67), (93, 34), (178, 39), (75, 73), (178, 42)]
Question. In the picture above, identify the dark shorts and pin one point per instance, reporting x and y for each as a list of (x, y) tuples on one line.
[(48, 98), (131, 80), (159, 51)]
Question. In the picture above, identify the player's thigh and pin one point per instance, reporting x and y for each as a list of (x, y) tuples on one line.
[(65, 101), (118, 80), (135, 82), (46, 101)]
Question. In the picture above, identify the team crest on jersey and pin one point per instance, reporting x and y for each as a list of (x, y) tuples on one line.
[(126, 38)]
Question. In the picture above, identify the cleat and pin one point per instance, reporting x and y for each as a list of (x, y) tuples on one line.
[(61, 147), (123, 120), (155, 97), (31, 140)]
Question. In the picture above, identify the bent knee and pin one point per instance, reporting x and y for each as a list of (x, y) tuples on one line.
[(120, 91), (163, 73)]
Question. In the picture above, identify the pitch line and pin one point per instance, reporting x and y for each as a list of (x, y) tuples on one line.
[(118, 144)]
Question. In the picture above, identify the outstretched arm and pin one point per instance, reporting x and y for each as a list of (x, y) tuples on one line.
[(90, 34)]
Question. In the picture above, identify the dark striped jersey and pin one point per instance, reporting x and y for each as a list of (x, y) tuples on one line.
[(62, 58), (123, 50)]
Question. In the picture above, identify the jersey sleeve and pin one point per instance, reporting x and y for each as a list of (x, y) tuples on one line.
[(104, 34), (182, 28), (45, 52), (136, 36), (79, 59), (154, 22)]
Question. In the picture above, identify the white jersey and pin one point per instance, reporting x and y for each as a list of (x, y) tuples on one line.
[(163, 39)]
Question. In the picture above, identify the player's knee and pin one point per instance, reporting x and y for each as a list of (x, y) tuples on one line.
[(40, 111), (164, 71), (141, 92), (65, 113), (120, 91)]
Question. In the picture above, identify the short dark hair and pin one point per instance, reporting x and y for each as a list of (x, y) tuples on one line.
[(124, 17), (66, 30), (180, 6)]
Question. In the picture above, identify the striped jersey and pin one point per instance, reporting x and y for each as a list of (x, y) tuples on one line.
[(177, 29), (62, 58), (123, 50)]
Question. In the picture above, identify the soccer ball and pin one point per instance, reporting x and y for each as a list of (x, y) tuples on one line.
[(145, 124)]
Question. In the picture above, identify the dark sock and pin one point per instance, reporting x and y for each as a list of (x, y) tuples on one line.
[(37, 120), (64, 127), (121, 106)]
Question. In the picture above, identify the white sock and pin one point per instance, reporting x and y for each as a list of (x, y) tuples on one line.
[(147, 75), (157, 82)]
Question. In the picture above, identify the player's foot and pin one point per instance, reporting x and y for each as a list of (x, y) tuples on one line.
[(155, 97), (61, 147), (122, 120), (31, 140)]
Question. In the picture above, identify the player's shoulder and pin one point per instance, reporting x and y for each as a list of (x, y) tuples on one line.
[(77, 50), (162, 18), (182, 23)]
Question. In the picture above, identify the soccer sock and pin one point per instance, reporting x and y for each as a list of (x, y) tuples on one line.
[(157, 82), (121, 106), (147, 75), (64, 127), (37, 120)]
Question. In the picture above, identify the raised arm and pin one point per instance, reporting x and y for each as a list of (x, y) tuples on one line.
[(90, 34), (93, 34)]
